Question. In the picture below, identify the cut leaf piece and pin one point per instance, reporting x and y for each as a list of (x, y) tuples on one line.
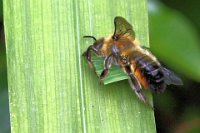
[(115, 73)]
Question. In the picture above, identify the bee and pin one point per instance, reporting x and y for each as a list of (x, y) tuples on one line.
[(122, 49)]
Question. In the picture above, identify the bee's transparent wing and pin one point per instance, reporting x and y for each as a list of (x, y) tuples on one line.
[(171, 78), (122, 28)]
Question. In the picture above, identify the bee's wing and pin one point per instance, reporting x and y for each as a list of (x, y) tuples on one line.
[(122, 28), (171, 78)]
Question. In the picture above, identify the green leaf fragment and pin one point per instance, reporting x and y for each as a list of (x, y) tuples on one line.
[(115, 74)]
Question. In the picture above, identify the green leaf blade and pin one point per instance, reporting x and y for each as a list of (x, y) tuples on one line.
[(51, 88)]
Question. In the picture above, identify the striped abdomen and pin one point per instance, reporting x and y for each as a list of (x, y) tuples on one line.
[(148, 71)]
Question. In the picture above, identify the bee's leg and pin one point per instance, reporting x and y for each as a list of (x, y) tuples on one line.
[(88, 54), (107, 64), (136, 86)]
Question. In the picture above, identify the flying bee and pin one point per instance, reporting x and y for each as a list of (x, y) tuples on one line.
[(142, 67)]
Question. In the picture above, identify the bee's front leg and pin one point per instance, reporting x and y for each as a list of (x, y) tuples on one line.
[(88, 55), (107, 65)]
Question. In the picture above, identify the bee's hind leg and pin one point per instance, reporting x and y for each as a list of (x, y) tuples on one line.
[(136, 86)]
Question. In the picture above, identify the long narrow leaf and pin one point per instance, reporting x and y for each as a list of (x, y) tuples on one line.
[(51, 88)]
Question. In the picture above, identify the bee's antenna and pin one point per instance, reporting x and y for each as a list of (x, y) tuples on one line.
[(90, 37)]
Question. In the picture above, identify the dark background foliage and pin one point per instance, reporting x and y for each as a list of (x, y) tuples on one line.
[(174, 39)]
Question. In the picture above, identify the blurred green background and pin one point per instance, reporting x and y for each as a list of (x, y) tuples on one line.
[(174, 38)]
